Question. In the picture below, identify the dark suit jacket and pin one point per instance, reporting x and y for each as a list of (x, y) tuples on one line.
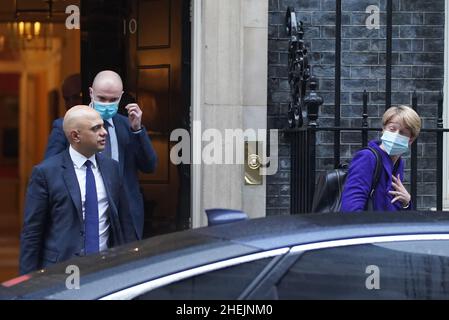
[(53, 228), (135, 153)]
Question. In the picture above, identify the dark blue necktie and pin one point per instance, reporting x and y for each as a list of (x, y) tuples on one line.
[(107, 148), (92, 241)]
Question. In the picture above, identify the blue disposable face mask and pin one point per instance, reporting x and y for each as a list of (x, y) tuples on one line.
[(394, 143), (106, 110)]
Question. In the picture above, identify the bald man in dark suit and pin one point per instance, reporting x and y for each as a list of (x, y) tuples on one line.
[(75, 204)]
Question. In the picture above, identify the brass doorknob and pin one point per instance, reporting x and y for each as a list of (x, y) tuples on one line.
[(254, 161)]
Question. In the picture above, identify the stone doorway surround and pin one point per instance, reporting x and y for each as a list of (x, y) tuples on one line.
[(229, 91)]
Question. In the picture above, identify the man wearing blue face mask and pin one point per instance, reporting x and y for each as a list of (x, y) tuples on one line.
[(127, 140), (401, 127)]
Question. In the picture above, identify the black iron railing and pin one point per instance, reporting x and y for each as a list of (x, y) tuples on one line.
[(303, 115)]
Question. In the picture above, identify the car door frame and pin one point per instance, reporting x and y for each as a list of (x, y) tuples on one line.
[(259, 291)]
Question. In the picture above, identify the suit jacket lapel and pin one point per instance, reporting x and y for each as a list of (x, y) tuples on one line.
[(105, 167), (106, 170), (72, 184), (121, 131)]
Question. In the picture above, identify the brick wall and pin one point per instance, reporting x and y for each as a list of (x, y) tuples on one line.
[(418, 59)]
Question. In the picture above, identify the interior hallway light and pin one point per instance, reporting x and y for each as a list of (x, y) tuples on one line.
[(21, 28), (37, 29)]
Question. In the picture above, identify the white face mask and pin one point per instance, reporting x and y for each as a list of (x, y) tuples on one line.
[(394, 143)]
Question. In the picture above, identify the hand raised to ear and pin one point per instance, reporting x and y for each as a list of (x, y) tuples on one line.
[(134, 116)]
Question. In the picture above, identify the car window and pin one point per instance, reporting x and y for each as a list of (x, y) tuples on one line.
[(393, 270), (226, 283)]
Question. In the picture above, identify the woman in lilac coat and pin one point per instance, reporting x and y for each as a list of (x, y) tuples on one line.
[(401, 126)]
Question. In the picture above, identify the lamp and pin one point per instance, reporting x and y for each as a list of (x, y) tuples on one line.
[(31, 33)]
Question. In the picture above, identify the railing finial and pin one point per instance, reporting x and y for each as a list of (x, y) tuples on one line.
[(313, 101)]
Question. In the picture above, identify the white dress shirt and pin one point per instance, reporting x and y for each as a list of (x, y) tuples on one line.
[(103, 205)]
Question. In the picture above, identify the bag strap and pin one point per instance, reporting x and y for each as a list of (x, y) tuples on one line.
[(376, 171)]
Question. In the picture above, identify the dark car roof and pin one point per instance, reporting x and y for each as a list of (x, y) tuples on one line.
[(274, 232), (167, 254)]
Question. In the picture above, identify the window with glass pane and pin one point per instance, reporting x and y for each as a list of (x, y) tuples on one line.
[(406, 270), (227, 283)]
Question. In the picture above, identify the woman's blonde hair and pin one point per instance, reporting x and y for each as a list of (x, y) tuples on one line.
[(408, 116)]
